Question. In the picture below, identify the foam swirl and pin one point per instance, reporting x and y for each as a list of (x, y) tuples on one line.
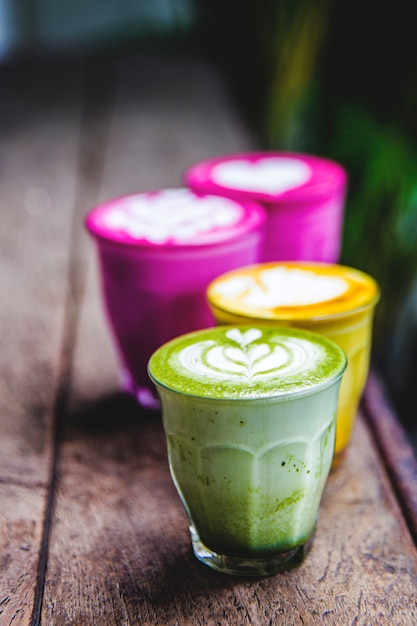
[(281, 286), (171, 214)]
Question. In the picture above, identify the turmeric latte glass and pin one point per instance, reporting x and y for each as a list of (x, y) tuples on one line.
[(334, 300)]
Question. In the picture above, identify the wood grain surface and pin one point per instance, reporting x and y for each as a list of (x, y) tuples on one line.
[(92, 531), (38, 155), (396, 447)]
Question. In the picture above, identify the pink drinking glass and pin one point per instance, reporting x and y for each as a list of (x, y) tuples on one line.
[(304, 197), (158, 251)]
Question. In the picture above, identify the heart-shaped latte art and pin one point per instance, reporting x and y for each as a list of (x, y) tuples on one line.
[(243, 338), (272, 175)]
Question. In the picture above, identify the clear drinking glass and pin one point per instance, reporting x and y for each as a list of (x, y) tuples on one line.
[(249, 414)]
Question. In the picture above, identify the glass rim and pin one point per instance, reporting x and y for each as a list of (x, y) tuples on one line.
[(241, 392), (297, 313), (282, 396), (245, 318)]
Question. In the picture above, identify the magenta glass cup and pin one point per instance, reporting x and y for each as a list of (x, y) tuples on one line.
[(304, 197), (157, 252)]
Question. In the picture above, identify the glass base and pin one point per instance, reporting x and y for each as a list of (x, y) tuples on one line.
[(247, 566), (146, 396)]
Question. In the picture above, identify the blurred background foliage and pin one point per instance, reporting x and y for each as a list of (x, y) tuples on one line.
[(337, 79)]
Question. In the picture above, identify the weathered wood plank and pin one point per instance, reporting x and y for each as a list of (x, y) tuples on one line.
[(395, 446), (121, 536), (120, 550), (39, 132)]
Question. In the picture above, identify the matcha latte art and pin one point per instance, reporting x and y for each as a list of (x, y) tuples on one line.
[(246, 362), (249, 416)]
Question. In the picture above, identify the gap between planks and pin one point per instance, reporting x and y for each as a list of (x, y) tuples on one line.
[(98, 92)]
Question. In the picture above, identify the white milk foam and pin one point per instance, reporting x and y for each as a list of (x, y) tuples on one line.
[(246, 361), (283, 286), (270, 175), (171, 214)]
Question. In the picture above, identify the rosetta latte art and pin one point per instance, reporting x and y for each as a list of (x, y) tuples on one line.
[(246, 358)]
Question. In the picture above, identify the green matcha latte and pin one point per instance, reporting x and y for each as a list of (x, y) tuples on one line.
[(249, 415)]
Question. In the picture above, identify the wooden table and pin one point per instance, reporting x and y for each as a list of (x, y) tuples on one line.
[(92, 531)]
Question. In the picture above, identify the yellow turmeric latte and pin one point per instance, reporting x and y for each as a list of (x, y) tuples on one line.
[(334, 300)]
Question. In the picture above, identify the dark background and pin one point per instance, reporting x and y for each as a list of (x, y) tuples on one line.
[(338, 79)]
